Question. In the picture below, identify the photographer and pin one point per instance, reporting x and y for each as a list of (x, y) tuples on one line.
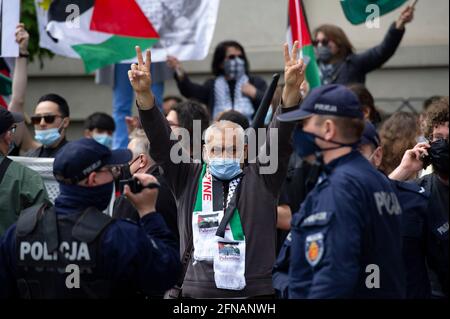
[(116, 258), (435, 224), (142, 163)]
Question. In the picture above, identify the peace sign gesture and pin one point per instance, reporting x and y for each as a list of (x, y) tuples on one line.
[(139, 75), (294, 75)]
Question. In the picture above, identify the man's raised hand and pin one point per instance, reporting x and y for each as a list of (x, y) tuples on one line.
[(294, 75), (141, 79)]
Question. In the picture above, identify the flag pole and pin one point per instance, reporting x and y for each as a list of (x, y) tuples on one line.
[(258, 120)]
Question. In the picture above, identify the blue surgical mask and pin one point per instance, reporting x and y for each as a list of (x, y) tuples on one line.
[(47, 137), (304, 143), (103, 139), (234, 68), (225, 168)]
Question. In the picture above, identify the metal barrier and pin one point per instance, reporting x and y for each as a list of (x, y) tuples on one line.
[(44, 167), (412, 104)]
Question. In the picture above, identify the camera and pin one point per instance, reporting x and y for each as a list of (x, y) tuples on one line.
[(135, 185)]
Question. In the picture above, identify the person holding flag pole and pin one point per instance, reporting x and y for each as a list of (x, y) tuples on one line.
[(338, 62)]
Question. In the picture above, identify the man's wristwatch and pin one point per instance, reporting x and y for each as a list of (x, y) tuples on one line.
[(24, 55)]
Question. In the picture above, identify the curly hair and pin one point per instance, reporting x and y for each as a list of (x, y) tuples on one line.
[(436, 115), (398, 134)]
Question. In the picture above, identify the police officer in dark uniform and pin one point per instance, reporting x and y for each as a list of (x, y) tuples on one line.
[(346, 239), (73, 250), (414, 201)]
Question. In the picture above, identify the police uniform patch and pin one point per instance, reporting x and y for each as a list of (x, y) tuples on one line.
[(317, 219), (314, 248)]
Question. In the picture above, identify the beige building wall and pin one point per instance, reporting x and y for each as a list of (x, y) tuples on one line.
[(418, 70)]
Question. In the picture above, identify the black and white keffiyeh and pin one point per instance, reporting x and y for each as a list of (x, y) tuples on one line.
[(223, 100)]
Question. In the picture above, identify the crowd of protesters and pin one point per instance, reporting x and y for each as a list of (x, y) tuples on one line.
[(356, 208)]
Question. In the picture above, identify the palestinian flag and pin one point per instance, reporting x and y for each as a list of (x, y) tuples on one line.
[(105, 33), (298, 30), (357, 11), (5, 83)]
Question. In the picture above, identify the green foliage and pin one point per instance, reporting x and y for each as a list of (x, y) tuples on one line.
[(28, 17)]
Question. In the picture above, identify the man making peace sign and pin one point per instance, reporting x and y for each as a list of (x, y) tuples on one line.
[(226, 207)]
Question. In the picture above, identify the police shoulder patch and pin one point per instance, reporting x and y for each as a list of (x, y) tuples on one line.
[(314, 248)]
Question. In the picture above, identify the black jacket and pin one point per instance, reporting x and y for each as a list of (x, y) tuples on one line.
[(355, 67), (46, 152)]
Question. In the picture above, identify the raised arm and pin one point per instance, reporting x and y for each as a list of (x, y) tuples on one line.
[(294, 75), (375, 57), (23, 136), (411, 163)]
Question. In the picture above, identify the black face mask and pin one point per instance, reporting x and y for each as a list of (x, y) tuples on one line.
[(125, 172), (439, 157)]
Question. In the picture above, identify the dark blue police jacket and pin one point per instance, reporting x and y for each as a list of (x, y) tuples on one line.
[(414, 201), (346, 239), (143, 255)]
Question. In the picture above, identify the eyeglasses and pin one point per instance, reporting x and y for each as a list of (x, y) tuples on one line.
[(49, 119), (234, 56), (324, 42), (13, 129), (114, 170)]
